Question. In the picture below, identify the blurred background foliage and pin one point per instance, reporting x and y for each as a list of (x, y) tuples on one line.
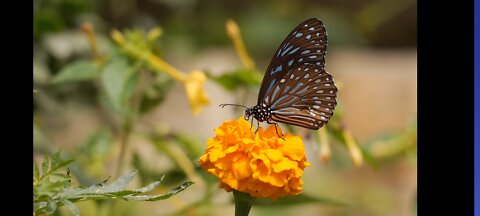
[(135, 84)]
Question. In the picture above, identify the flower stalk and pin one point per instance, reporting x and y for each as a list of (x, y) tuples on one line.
[(234, 33), (87, 28), (325, 152), (353, 148), (193, 82), (243, 203)]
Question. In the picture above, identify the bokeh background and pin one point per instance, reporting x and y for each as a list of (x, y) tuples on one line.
[(151, 128)]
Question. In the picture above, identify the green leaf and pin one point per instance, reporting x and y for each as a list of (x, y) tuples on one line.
[(155, 95), (150, 186), (298, 199), (160, 197), (45, 165), (72, 207), (78, 71), (369, 158), (121, 183), (36, 172), (96, 145), (118, 82), (237, 78), (51, 207)]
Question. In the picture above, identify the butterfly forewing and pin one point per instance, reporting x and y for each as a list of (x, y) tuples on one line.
[(306, 44)]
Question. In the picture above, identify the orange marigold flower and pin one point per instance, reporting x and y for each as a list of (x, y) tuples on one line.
[(260, 164)]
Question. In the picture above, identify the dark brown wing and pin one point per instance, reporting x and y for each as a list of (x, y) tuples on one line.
[(306, 44), (306, 97)]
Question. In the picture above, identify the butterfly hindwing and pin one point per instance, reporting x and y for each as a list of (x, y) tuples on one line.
[(305, 96)]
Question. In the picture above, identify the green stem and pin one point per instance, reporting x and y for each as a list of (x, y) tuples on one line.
[(123, 145), (243, 203)]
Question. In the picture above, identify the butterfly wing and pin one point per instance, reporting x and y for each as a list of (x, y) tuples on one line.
[(306, 44), (305, 96)]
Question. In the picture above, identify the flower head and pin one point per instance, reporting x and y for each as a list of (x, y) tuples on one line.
[(194, 87), (260, 164)]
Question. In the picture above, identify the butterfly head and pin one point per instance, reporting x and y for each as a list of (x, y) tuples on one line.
[(248, 113)]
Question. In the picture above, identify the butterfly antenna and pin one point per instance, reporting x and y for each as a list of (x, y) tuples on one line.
[(223, 105)]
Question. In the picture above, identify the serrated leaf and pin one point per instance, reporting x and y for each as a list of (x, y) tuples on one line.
[(298, 199), (63, 164), (72, 207), (115, 79), (77, 71), (121, 183), (45, 165), (160, 197), (36, 172), (150, 186)]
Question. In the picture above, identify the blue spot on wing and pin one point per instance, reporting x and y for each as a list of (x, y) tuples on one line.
[(294, 50), (290, 62), (286, 50), (293, 91), (270, 86), (305, 52), (277, 89), (277, 69)]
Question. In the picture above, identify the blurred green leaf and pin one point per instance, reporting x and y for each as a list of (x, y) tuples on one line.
[(46, 20), (78, 71), (298, 199), (36, 172), (45, 164), (238, 78), (51, 207), (97, 144), (190, 144), (118, 81), (73, 208), (369, 158), (155, 95)]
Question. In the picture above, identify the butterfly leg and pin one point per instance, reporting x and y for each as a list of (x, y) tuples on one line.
[(251, 124), (258, 126), (276, 129)]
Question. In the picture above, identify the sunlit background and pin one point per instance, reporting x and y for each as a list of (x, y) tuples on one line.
[(90, 109)]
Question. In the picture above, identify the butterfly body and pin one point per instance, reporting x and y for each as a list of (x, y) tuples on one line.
[(261, 113), (296, 89)]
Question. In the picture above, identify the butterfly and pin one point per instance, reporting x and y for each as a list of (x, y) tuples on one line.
[(296, 89)]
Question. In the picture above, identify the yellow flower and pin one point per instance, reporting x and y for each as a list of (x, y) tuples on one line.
[(196, 94), (262, 164)]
